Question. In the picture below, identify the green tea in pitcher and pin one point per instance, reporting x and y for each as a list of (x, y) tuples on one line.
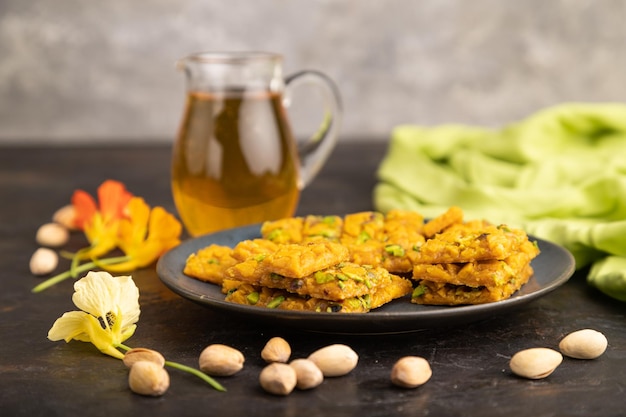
[(234, 161)]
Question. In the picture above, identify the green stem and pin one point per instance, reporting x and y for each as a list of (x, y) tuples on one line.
[(197, 373), (74, 271), (82, 268), (186, 368)]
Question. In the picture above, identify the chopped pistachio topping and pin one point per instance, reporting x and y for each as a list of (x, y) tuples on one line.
[(322, 277), (253, 298), (395, 250), (418, 291), (363, 237), (365, 301), (276, 302), (275, 234), (342, 277), (276, 277), (353, 276), (259, 257), (329, 220)]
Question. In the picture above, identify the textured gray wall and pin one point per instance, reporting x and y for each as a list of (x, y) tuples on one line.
[(79, 70)]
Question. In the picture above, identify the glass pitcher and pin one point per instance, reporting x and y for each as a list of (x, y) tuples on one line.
[(235, 161)]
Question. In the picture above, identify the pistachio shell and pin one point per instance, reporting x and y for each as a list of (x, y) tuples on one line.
[(335, 360), (278, 378), (52, 235), (66, 216), (535, 363), (148, 378), (143, 354), (43, 261), (584, 344), (221, 360), (308, 375), (276, 350), (411, 372)]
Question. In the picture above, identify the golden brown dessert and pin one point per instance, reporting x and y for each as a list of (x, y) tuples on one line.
[(339, 282), (253, 247), (288, 230), (454, 215), (209, 264), (403, 234), (468, 242), (440, 293), (252, 295), (297, 261), (489, 273), (322, 227), (472, 263), (451, 261)]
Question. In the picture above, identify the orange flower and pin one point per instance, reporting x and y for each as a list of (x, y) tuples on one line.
[(100, 224), (145, 235)]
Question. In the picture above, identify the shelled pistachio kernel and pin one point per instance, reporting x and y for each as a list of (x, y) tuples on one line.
[(43, 261), (221, 360), (143, 354), (584, 344), (278, 378), (148, 378), (276, 350), (535, 363), (335, 360), (410, 372), (52, 235), (308, 375)]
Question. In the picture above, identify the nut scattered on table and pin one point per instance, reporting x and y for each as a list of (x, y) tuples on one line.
[(148, 378), (411, 372), (143, 354), (584, 344), (308, 375), (52, 235), (221, 360), (535, 363), (278, 378), (335, 360), (276, 350), (66, 217), (43, 261)]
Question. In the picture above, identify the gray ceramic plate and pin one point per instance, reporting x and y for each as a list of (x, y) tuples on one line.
[(553, 267)]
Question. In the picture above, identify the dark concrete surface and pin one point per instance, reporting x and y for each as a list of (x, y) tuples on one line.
[(470, 362)]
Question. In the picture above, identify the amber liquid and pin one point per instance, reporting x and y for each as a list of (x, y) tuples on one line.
[(234, 161)]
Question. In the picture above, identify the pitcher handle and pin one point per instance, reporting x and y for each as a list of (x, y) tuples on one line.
[(315, 151)]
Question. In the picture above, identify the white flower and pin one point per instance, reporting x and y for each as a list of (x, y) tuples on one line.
[(110, 309)]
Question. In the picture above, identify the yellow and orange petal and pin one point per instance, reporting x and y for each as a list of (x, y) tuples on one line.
[(145, 235), (112, 198)]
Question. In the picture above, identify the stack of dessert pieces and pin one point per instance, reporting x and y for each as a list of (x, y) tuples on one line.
[(363, 260)]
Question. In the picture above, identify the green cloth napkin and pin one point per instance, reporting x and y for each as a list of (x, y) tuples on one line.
[(560, 174)]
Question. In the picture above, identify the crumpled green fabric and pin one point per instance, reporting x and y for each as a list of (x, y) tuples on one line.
[(560, 174)]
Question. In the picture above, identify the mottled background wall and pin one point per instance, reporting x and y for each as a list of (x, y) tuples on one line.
[(88, 71)]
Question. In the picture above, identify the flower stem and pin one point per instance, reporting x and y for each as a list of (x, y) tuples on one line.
[(188, 369), (82, 268), (197, 373)]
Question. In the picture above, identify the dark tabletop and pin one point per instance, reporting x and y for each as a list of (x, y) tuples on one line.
[(469, 361)]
